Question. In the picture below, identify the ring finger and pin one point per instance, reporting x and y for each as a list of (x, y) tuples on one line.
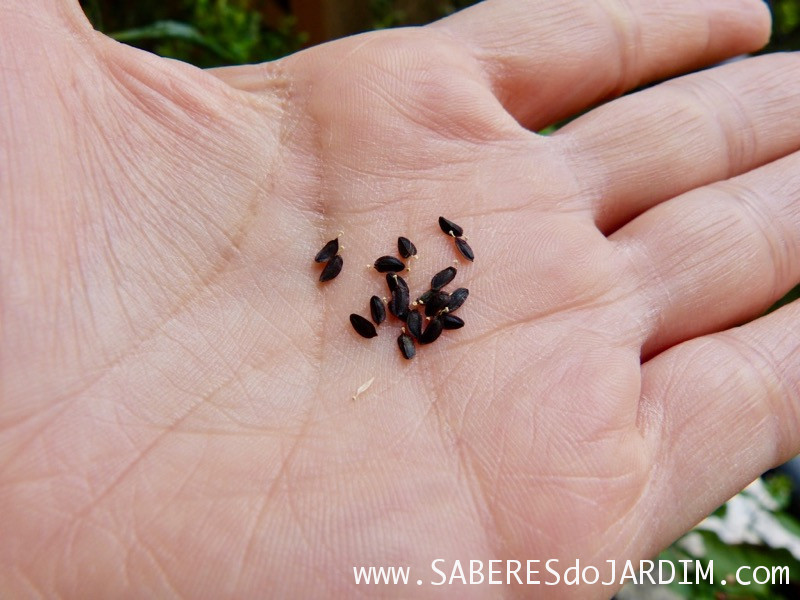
[(716, 256), (648, 147)]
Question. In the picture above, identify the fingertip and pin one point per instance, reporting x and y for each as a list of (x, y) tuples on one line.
[(766, 11), (762, 10), (746, 22)]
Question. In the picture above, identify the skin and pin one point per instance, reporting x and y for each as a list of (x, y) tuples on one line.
[(176, 416)]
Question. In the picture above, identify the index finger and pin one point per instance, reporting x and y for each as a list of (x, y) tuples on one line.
[(548, 60)]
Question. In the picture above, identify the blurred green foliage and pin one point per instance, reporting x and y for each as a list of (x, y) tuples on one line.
[(388, 13), (206, 33), (786, 27), (385, 14)]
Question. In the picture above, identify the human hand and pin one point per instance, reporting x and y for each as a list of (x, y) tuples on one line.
[(176, 386)]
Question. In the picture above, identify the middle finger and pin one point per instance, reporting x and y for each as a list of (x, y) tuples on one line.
[(643, 149), (716, 256)]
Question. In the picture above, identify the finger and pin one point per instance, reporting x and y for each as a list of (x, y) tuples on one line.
[(718, 411), (548, 60), (651, 146), (716, 256)]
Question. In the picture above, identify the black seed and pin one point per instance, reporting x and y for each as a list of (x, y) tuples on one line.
[(425, 297), (450, 228), (414, 323), (464, 248), (377, 309), (451, 322), (394, 281), (389, 264), (457, 298), (398, 305), (438, 302), (328, 251), (406, 346), (442, 278), (332, 269), (432, 331), (363, 327), (406, 248)]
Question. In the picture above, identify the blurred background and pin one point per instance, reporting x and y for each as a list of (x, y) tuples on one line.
[(222, 32), (759, 527)]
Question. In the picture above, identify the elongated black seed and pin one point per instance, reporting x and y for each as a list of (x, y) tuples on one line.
[(432, 331), (328, 251), (407, 347), (406, 248), (442, 278), (363, 327), (332, 268), (378, 310), (439, 300), (464, 248), (450, 228), (414, 323), (389, 264), (457, 298), (426, 297), (398, 305), (395, 281), (451, 322)]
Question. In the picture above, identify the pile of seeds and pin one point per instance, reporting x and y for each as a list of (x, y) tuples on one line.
[(437, 304)]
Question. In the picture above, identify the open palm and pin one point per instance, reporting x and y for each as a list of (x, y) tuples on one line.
[(176, 413)]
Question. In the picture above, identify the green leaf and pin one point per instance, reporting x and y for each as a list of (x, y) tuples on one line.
[(780, 488), (164, 30), (789, 523)]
